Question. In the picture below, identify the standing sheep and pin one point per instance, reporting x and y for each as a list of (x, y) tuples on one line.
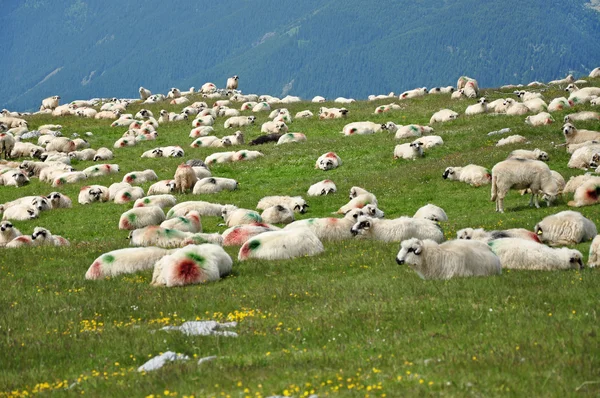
[(515, 253), (232, 83), (185, 178), (565, 228)]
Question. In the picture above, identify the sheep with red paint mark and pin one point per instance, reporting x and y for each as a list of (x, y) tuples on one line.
[(239, 234), (125, 261), (127, 195), (191, 222), (363, 128), (140, 177), (70, 177), (281, 245), (161, 201), (328, 161), (487, 236), (586, 194), (43, 237), (101, 170), (203, 208), (321, 188), (278, 214), (140, 217), (8, 232), (330, 228), (359, 201)]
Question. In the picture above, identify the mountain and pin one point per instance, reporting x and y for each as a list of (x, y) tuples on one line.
[(81, 49)]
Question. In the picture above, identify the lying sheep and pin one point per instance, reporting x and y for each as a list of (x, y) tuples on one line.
[(86, 154), (210, 185), (332, 113), (124, 261), (192, 265), (239, 121), (477, 109), (576, 136), (281, 245), (328, 161), (103, 154), (565, 228), (515, 108), (411, 150), (59, 201), (14, 178), (201, 131), (101, 170), (594, 255), (61, 144), (219, 157), (191, 222), (304, 114), (527, 95), (540, 119), (558, 104), (358, 202), (274, 128), (296, 203), (70, 177), (140, 177), (322, 188), (291, 137), (522, 174), (587, 194), (417, 92), (236, 139), (397, 230), (203, 121), (161, 201), (408, 131), (488, 236), (471, 174), (127, 195), (566, 80), (455, 258), (140, 217), (232, 215), (162, 187), (167, 238), (432, 213), (17, 149), (277, 214), (246, 155), (444, 115), (43, 237), (124, 142), (429, 141), (581, 116), (582, 158), (517, 253), (535, 105), (577, 181), (466, 82), (330, 228), (8, 232), (512, 139), (239, 234), (93, 193), (536, 154), (363, 128), (116, 187), (201, 172), (386, 108)]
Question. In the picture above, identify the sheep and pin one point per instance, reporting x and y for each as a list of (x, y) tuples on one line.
[(417, 92), (362, 128), (192, 265), (14, 178), (386, 108), (318, 99), (272, 127), (43, 237), (124, 142), (93, 193), (201, 172), (109, 115), (162, 187), (125, 121), (498, 106), (126, 195), (515, 108), (140, 177), (40, 203), (161, 201), (528, 95), (47, 174), (86, 154), (558, 178), (277, 214), (540, 119), (70, 177), (191, 222), (455, 258), (20, 213), (358, 202), (19, 241), (208, 88), (174, 93), (565, 228), (185, 178), (534, 105), (282, 115), (246, 155), (232, 83), (471, 174), (408, 131), (487, 236), (512, 139), (281, 245), (261, 107), (304, 114), (594, 255), (429, 141), (588, 91), (214, 185), (50, 102), (164, 237), (296, 203), (203, 208), (8, 232), (179, 101), (236, 139), (458, 94), (140, 217), (103, 154), (587, 194), (582, 97), (595, 72), (144, 93), (582, 116), (7, 145), (469, 85), (536, 154), (444, 115), (558, 104), (232, 215), (431, 212), (329, 228), (322, 188), (568, 79), (59, 200), (582, 158), (201, 131), (61, 144), (220, 157), (263, 139), (58, 157), (328, 161), (396, 230), (116, 187), (478, 108), (291, 137), (411, 150), (441, 90), (520, 173), (154, 98), (203, 121), (332, 113), (101, 170), (239, 121), (207, 141), (125, 261)]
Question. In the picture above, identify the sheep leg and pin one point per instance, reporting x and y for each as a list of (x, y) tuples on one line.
[(534, 198)]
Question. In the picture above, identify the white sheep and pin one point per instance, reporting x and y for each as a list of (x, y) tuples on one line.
[(536, 154), (431, 212), (140, 177), (239, 234), (559, 104), (219, 157), (362, 128), (455, 258), (568, 79), (535, 105), (208, 88), (478, 108), (43, 237), (103, 154), (527, 95), (101, 170), (191, 222), (214, 185), (515, 108), (471, 174), (386, 108), (236, 138), (522, 174), (50, 102), (192, 265), (201, 131), (487, 236), (594, 255), (261, 107), (14, 178), (273, 127), (8, 232), (239, 121), (232, 215), (203, 208), (162, 201), (328, 161), (127, 195), (306, 114), (291, 137), (203, 121), (322, 188), (577, 181), (332, 113), (124, 142), (116, 187), (565, 228), (61, 144), (86, 154), (281, 245), (411, 150), (587, 194), (469, 86), (70, 177), (140, 217), (582, 116), (429, 141), (417, 92), (330, 228), (358, 202), (397, 230), (408, 131), (512, 139), (587, 91), (162, 187), (201, 172), (144, 93), (444, 115), (296, 203), (125, 261), (277, 214), (582, 157), (540, 119), (515, 253), (59, 200), (93, 193), (167, 238)]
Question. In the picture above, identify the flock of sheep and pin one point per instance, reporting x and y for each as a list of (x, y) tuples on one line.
[(174, 245)]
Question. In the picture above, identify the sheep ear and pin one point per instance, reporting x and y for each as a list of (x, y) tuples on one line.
[(418, 250)]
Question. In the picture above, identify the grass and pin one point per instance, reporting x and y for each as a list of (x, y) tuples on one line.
[(349, 322)]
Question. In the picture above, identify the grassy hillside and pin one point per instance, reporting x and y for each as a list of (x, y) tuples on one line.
[(349, 322)]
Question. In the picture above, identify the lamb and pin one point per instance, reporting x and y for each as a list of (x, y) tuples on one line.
[(103, 154), (471, 174), (7, 145), (296, 203), (304, 114), (246, 155), (540, 119), (488, 236), (281, 245), (126, 195), (166, 238), (239, 121), (362, 128), (512, 139), (328, 161), (429, 141), (411, 150), (455, 258), (86, 154), (521, 174), (396, 230), (210, 185), (93, 193), (444, 115), (20, 213), (140, 217), (582, 157), (185, 178), (594, 257), (565, 228), (161, 201), (587, 194), (558, 104), (192, 265), (70, 177), (536, 154), (59, 200), (263, 139), (498, 106), (431, 212), (191, 222), (232, 215), (162, 187), (144, 93), (8, 232), (322, 188), (43, 237), (277, 214), (330, 228), (203, 208), (219, 157), (515, 108), (332, 113), (101, 170), (582, 116), (273, 127), (478, 108), (140, 177), (125, 261)]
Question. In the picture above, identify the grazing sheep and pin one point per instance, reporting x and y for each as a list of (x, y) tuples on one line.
[(127, 195), (277, 214), (487, 236), (281, 245), (8, 232), (522, 174), (219, 157), (515, 253), (185, 178), (162, 187), (140, 217), (93, 193), (512, 139), (429, 141), (431, 212), (363, 128), (125, 261), (576, 136), (246, 155), (540, 119), (70, 177), (582, 116), (192, 265), (444, 115), (565, 228), (411, 150), (140, 177), (103, 154), (536, 154), (478, 108), (161, 201), (471, 174), (455, 258), (203, 208), (43, 237), (587, 194), (296, 203), (583, 157), (594, 257), (291, 137), (239, 121), (397, 230), (328, 161), (191, 222), (322, 188), (210, 185)]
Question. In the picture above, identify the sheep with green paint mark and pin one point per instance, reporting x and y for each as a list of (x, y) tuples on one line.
[(330, 228), (282, 245), (232, 215), (125, 261), (191, 222), (140, 217), (161, 201), (127, 195), (155, 235), (140, 177), (203, 208)]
